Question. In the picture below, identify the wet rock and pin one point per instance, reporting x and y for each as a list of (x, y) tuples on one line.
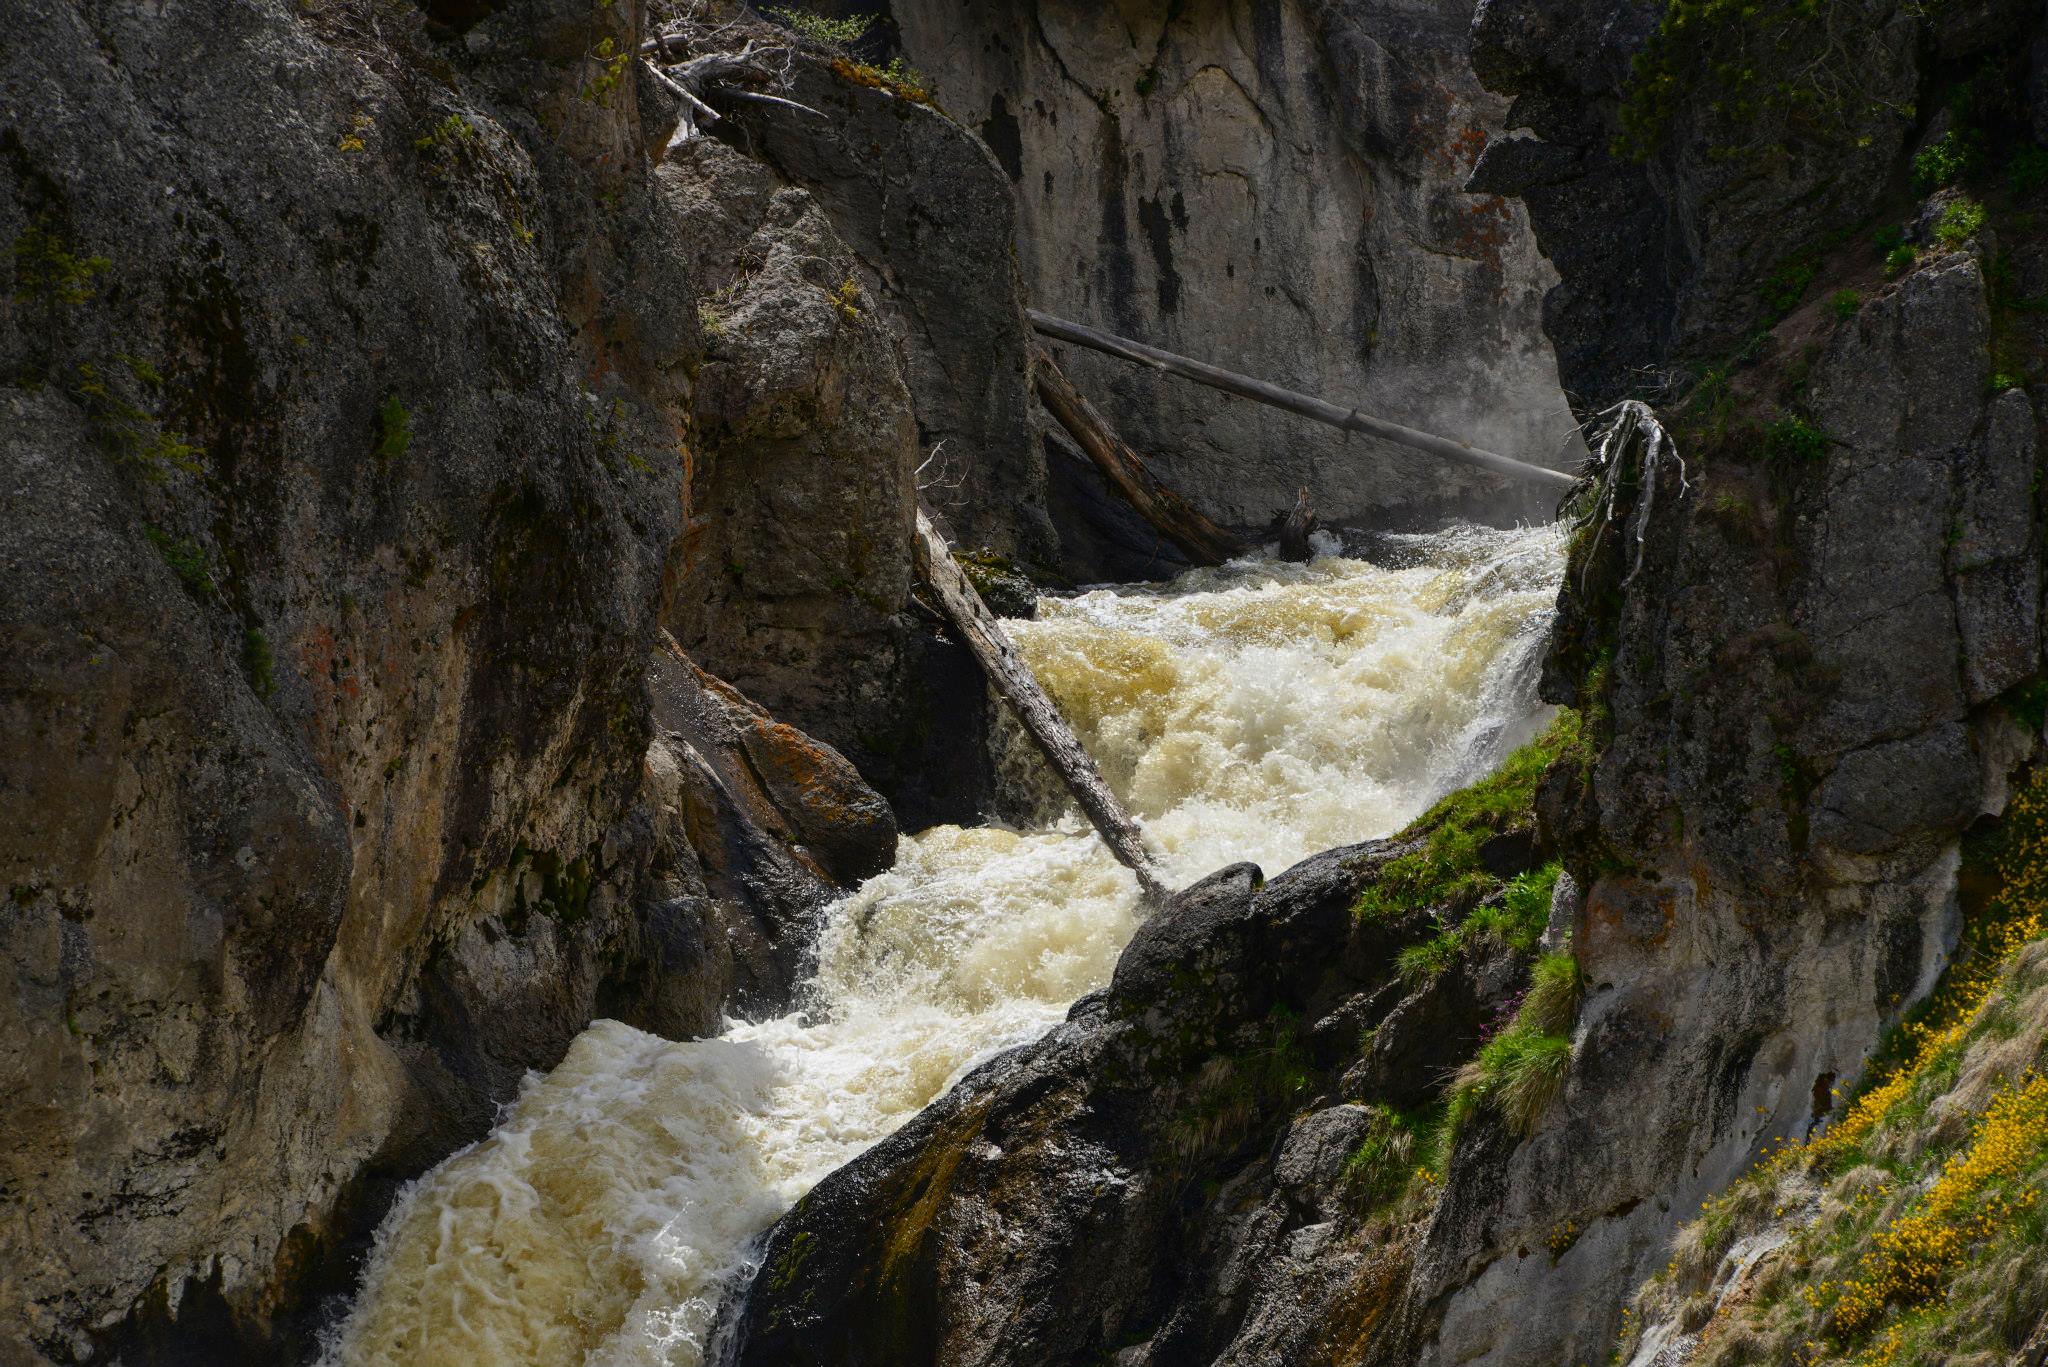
[(1065, 1173), (1312, 1156), (1201, 933)]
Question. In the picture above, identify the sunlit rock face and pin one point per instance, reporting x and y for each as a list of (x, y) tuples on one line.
[(1277, 188)]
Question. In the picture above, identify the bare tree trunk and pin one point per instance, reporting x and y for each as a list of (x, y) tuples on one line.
[(978, 630), (1202, 541)]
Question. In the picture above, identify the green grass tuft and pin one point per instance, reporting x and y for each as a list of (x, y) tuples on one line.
[(1552, 1003), (1446, 870)]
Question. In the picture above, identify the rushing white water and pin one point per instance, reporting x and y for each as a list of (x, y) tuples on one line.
[(1259, 711)]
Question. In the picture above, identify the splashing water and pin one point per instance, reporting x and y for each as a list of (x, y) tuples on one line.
[(1259, 711)]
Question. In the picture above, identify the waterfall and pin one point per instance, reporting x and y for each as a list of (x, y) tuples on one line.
[(1259, 711)]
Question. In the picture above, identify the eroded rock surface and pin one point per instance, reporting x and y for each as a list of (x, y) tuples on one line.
[(367, 418), (1277, 188)]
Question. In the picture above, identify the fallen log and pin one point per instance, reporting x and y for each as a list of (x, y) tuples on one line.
[(1199, 539), (1308, 406), (977, 629)]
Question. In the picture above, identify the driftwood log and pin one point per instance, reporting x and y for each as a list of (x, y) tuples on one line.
[(977, 629), (1308, 406), (1199, 539), (1294, 532)]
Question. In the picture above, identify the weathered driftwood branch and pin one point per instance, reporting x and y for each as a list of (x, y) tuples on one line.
[(1201, 540), (1350, 419), (1296, 530), (977, 629), (717, 72)]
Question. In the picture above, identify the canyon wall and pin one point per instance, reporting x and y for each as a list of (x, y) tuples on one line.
[(387, 399), (1279, 189)]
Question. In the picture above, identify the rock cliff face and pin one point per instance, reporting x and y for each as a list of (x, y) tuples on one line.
[(1277, 188), (376, 394)]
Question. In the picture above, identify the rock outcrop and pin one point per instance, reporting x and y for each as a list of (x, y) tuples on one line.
[(1143, 1184), (1277, 188), (1799, 678), (928, 212), (1800, 721)]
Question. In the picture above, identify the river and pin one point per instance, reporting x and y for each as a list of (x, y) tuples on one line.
[(1260, 711)]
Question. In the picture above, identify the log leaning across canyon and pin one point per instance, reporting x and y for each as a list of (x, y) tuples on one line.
[(1306, 405), (978, 630), (1202, 541)]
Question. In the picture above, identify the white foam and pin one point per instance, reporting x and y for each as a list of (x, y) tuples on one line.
[(1255, 712)]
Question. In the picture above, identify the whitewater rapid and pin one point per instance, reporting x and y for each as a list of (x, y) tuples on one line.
[(1260, 711)]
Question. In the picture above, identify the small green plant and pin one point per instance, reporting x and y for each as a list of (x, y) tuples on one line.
[(2027, 171), (1889, 238), (142, 371), (1787, 285), (2028, 704), (45, 270), (128, 429), (1552, 1002), (1845, 304), (1418, 964), (352, 137), (819, 29), (452, 131), (899, 78), (1444, 869), (847, 299), (1527, 903), (258, 663), (1960, 222), (1398, 1146), (611, 62), (186, 557), (1944, 162), (1794, 440), (2002, 380), (394, 431), (1899, 259)]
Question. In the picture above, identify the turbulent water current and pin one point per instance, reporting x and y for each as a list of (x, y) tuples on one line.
[(1261, 711)]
